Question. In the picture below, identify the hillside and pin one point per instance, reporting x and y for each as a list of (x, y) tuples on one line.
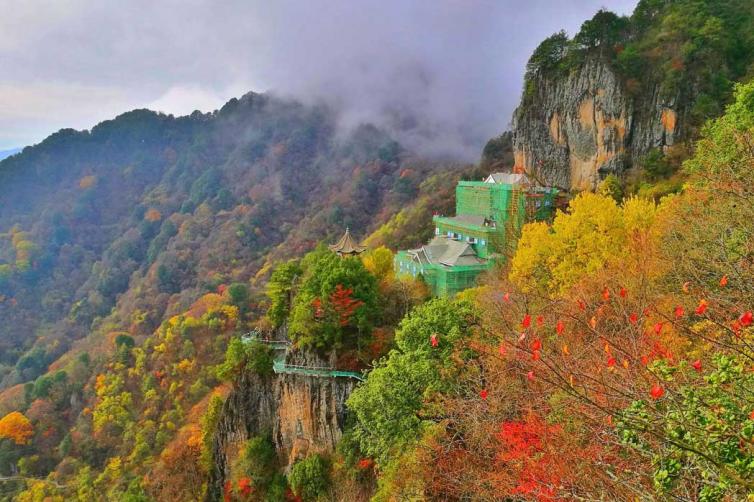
[(109, 234), (630, 92), (146, 212)]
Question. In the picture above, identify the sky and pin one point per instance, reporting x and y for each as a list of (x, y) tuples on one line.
[(443, 75)]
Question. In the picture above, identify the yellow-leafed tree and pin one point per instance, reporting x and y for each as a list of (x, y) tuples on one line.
[(16, 427)]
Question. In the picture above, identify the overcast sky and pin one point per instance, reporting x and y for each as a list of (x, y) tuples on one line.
[(446, 73)]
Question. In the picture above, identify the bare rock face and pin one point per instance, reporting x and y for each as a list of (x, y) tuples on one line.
[(311, 411), (573, 130), (304, 414)]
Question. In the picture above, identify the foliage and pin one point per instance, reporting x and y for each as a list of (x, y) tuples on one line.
[(280, 290), (594, 231), (241, 356), (394, 404), (629, 379), (548, 55), (379, 263), (310, 477), (336, 305), (16, 427), (611, 187), (655, 165)]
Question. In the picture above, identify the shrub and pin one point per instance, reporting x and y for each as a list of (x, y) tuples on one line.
[(310, 478)]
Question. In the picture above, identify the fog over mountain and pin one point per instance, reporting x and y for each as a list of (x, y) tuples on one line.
[(445, 74)]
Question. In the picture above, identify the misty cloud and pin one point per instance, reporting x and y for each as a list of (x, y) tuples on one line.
[(444, 74)]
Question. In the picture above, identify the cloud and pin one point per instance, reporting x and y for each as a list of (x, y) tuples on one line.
[(185, 99), (444, 75)]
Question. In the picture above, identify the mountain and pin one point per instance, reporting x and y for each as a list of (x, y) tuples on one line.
[(626, 91), (8, 153), (133, 220), (112, 239)]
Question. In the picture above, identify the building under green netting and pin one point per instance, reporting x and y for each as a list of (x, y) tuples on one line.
[(488, 220)]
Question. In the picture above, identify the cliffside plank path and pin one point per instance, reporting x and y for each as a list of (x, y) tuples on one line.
[(279, 365)]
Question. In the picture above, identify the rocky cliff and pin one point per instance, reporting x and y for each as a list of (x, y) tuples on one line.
[(573, 130), (304, 414)]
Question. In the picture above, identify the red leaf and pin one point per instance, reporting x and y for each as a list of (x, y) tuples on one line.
[(701, 308), (560, 327), (633, 318), (657, 391), (697, 365), (483, 393), (536, 345), (526, 322), (507, 297), (501, 350), (606, 294), (658, 328), (678, 312), (724, 281), (530, 375), (623, 292), (433, 340), (611, 362), (746, 318)]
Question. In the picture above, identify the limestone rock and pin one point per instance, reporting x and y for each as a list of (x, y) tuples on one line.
[(304, 414), (571, 131)]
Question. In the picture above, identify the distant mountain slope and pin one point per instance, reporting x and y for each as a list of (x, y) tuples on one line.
[(116, 228), (622, 88), (7, 153)]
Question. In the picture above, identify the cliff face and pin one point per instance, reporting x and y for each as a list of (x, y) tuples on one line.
[(304, 414), (572, 131)]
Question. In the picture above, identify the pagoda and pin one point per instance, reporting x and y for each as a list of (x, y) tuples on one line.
[(346, 246)]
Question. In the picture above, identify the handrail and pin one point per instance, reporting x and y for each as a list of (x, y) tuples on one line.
[(279, 365)]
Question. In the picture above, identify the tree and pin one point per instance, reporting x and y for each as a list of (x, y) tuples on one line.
[(315, 320), (238, 293), (310, 477), (551, 259), (605, 29), (16, 427), (547, 56), (379, 263), (280, 290), (393, 405), (241, 356), (611, 187)]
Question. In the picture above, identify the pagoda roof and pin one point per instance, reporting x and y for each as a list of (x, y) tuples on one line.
[(445, 251), (346, 245)]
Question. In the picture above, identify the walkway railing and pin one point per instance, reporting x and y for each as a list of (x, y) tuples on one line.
[(279, 365)]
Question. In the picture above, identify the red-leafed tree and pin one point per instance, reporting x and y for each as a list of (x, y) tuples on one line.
[(344, 304)]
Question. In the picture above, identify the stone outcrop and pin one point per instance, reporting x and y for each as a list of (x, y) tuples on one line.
[(573, 130), (304, 414)]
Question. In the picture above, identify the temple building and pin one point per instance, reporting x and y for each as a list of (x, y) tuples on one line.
[(488, 221), (346, 246)]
